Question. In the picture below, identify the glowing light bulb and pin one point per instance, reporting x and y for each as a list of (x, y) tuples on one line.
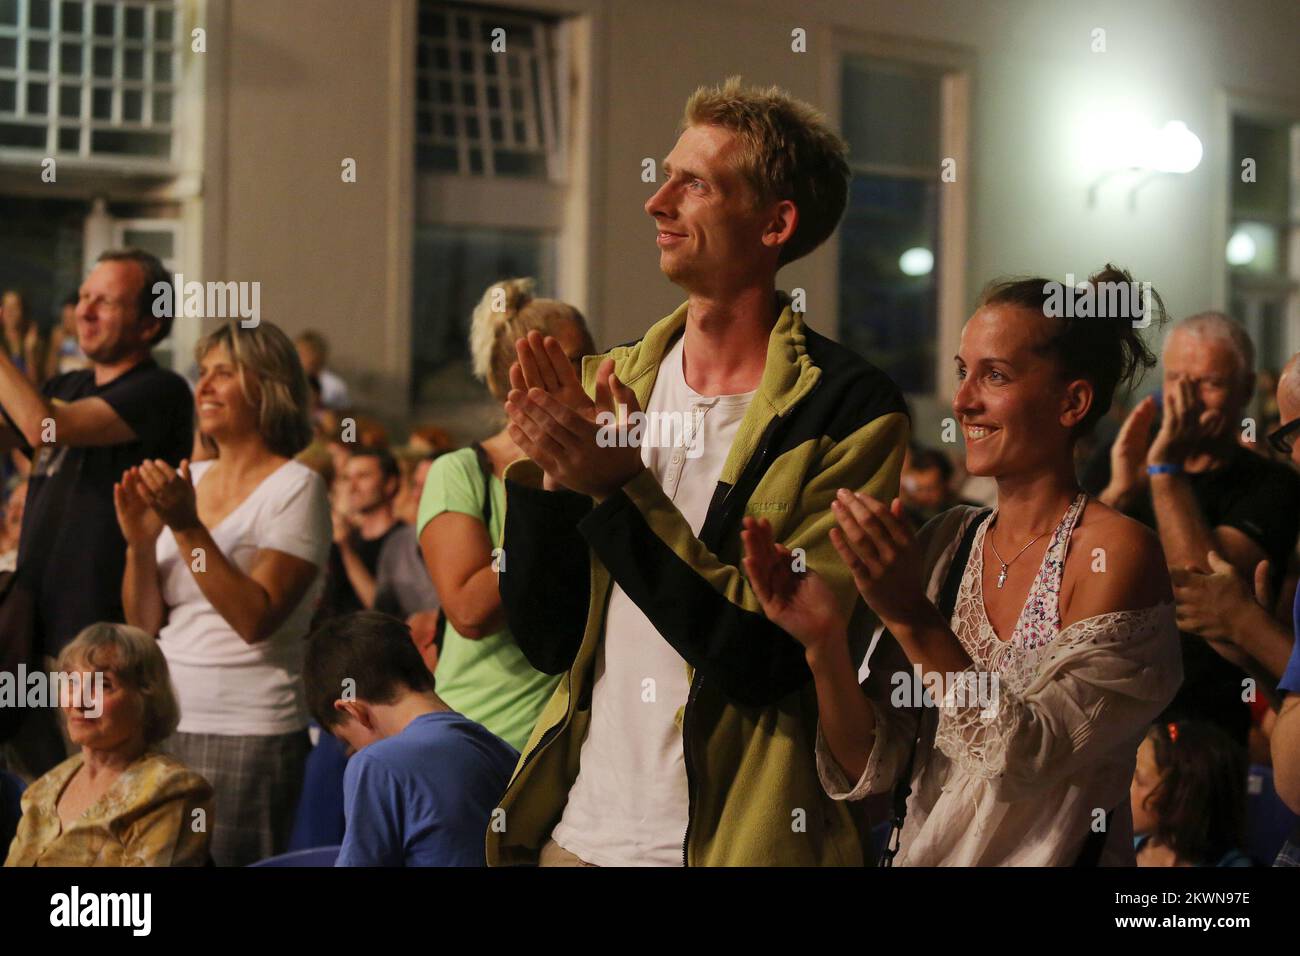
[(916, 262), (1241, 249), (1174, 149)]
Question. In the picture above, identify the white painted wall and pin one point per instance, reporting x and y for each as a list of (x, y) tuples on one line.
[(302, 91)]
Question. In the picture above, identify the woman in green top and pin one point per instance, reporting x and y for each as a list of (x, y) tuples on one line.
[(481, 671)]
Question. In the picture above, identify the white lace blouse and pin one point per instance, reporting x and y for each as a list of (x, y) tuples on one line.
[(1025, 781)]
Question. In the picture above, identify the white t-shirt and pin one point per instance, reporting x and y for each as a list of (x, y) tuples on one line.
[(629, 805), (224, 685)]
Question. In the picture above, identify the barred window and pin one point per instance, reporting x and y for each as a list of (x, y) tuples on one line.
[(92, 79), (486, 82)]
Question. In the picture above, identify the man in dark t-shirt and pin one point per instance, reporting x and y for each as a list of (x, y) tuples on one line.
[(1202, 491), (1260, 498), (81, 433)]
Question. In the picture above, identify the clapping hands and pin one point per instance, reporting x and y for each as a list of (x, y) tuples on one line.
[(556, 424), (151, 495)]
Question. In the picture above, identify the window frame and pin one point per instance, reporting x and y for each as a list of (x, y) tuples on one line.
[(544, 127), (84, 158), (563, 204), (955, 66), (1274, 111)]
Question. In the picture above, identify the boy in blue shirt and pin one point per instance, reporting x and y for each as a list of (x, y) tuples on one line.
[(421, 785)]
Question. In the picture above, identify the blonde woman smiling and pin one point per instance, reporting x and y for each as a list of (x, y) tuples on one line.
[(225, 564)]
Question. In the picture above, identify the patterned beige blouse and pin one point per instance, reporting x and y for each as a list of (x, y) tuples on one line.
[(146, 818), (1023, 778)]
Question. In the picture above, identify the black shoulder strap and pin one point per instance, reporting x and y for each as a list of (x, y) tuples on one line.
[(947, 602), (485, 466)]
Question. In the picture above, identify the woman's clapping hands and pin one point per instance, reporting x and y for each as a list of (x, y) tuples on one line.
[(878, 547), (151, 495), (139, 523)]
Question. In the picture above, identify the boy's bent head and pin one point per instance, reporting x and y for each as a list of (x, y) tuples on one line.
[(355, 663)]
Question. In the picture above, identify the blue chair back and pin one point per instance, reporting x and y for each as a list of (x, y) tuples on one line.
[(318, 820), (316, 856)]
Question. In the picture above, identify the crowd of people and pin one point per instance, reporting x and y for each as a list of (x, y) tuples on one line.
[(779, 630)]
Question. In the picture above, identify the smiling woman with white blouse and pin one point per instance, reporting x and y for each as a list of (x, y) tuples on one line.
[(225, 565), (1060, 645)]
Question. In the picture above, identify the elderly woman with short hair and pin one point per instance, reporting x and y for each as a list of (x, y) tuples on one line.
[(119, 802), (225, 564)]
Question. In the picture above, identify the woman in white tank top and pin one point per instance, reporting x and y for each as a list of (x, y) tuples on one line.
[(1018, 737)]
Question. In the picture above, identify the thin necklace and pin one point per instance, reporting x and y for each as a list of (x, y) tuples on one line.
[(1002, 574)]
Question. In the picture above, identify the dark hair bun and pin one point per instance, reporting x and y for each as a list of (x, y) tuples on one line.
[(1095, 328)]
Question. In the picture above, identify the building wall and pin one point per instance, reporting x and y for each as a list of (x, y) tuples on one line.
[(1034, 81), (299, 94), (290, 96)]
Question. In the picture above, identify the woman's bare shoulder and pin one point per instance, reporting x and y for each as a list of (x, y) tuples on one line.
[(1102, 523), (1119, 564)]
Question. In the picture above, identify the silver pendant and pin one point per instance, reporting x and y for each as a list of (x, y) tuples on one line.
[(1002, 577)]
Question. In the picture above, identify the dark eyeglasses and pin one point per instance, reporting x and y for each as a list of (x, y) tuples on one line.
[(1283, 439)]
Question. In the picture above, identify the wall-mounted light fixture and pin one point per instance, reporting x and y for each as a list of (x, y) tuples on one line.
[(1133, 147)]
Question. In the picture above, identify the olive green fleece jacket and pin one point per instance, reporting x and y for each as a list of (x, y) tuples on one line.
[(821, 419)]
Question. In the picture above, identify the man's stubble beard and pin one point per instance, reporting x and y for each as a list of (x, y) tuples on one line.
[(678, 273)]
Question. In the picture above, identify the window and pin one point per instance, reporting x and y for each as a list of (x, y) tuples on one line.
[(482, 110), (42, 246), (491, 179), (1264, 236), (889, 237), (92, 80), (443, 298)]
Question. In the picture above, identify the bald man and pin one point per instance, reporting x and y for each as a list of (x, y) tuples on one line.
[(1203, 492)]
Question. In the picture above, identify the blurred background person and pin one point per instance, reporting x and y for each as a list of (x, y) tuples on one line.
[(314, 352), (118, 801), (1227, 608), (1189, 477), (11, 530), (225, 564), (482, 673), (429, 440), (1189, 797), (81, 431), (363, 520), (22, 339), (926, 485), (64, 353), (403, 587), (1285, 740)]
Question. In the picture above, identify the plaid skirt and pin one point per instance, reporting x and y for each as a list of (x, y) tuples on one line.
[(256, 783)]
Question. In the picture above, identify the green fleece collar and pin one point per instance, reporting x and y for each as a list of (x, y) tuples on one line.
[(789, 373)]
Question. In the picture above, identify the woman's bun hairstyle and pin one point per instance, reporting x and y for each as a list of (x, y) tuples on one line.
[(508, 311), (1092, 336)]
